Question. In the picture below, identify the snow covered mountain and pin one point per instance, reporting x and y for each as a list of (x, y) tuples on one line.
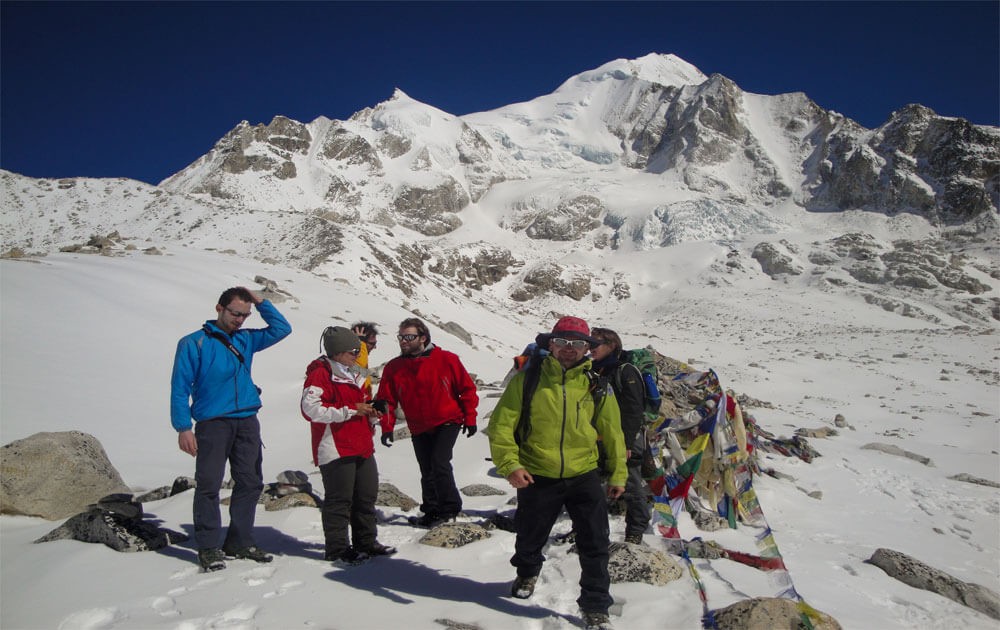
[(820, 268), (570, 190)]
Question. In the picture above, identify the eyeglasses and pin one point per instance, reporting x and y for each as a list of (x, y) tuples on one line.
[(576, 344), (354, 352), (237, 313), (409, 337)]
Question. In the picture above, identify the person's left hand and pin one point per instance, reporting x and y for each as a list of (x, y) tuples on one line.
[(469, 429)]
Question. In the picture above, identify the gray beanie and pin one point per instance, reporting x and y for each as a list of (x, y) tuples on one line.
[(339, 339)]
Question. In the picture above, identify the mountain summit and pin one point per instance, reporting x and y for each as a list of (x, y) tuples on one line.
[(545, 200)]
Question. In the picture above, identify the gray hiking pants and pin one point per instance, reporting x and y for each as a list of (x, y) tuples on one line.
[(236, 440)]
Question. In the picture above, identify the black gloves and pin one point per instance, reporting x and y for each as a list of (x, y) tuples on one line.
[(387, 440), (380, 406), (469, 429)]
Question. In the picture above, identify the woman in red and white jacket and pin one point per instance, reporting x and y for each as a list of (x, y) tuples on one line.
[(342, 424)]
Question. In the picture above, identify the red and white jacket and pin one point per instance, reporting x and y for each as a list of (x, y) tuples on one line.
[(329, 397), (433, 388)]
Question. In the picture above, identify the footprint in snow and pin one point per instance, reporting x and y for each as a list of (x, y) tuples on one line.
[(92, 619), (165, 606), (258, 576), (185, 573), (284, 588)]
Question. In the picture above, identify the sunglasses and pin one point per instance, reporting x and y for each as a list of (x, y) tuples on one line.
[(237, 313), (576, 344), (354, 352), (409, 337)]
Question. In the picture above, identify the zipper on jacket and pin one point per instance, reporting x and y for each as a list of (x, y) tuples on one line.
[(562, 434)]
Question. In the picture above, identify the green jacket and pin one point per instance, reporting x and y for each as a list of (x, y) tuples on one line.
[(562, 441)]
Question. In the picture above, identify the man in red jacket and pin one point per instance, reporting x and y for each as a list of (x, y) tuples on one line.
[(439, 400)]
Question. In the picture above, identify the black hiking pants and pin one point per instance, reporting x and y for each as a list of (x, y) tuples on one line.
[(585, 499), (434, 450), (350, 487)]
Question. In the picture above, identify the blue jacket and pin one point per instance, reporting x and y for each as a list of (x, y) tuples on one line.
[(209, 374)]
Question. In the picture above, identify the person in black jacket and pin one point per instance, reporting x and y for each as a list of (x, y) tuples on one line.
[(626, 381)]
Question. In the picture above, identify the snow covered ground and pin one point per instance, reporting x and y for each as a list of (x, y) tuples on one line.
[(87, 344)]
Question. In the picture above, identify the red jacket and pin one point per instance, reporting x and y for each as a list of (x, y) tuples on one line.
[(433, 388), (329, 397)]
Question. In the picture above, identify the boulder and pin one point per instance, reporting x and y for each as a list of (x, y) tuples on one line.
[(769, 613), (55, 475), (391, 496), (481, 490), (915, 573), (454, 535), (639, 563), (892, 449), (156, 494)]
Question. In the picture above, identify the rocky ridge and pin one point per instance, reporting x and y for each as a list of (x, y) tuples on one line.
[(636, 155)]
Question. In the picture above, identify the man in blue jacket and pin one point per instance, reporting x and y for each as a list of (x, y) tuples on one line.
[(211, 384)]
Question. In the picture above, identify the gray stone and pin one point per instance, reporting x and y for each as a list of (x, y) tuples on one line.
[(769, 613), (640, 563), (391, 496), (453, 535), (157, 494), (274, 503), (892, 449), (773, 262), (822, 432), (457, 330), (919, 575), (571, 220), (976, 480), (481, 490), (55, 475)]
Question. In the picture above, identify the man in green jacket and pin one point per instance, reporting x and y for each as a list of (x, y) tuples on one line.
[(551, 457)]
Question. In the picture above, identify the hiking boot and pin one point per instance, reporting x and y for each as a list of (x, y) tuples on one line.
[(634, 538), (253, 552), (596, 621), (350, 556), (211, 560), (432, 520), (378, 549), (523, 587)]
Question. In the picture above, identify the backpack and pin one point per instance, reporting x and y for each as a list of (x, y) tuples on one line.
[(645, 362), (530, 362)]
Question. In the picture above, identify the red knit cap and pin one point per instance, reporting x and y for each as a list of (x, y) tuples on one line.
[(572, 327)]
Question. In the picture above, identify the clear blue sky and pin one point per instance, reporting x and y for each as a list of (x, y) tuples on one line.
[(141, 90)]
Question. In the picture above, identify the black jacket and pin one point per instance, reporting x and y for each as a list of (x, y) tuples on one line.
[(626, 381)]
